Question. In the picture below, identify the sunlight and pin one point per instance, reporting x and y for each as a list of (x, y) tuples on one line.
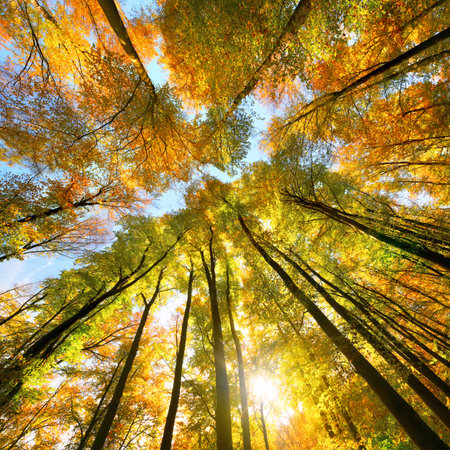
[(264, 389)]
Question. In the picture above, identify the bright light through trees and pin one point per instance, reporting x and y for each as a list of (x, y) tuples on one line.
[(253, 196)]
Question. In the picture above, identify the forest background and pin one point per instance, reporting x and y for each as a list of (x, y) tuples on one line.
[(292, 289)]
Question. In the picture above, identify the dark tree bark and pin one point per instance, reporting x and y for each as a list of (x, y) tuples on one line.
[(166, 443), (95, 416), (419, 432), (105, 426), (382, 69), (245, 421), (412, 248), (114, 19), (223, 412), (413, 382)]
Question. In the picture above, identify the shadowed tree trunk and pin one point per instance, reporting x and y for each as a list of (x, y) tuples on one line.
[(245, 421), (112, 14), (166, 443), (96, 414), (413, 382), (312, 358), (263, 425), (419, 432), (223, 412), (105, 426), (348, 219)]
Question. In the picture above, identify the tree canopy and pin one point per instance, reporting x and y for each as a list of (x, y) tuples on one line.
[(297, 300)]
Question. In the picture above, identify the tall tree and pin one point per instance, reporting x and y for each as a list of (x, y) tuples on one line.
[(245, 419), (166, 442), (102, 433), (223, 413), (416, 428)]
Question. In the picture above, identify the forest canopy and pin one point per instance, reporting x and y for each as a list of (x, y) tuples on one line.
[(298, 299)]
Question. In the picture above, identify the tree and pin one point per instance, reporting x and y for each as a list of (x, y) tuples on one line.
[(166, 442), (327, 258), (103, 431), (223, 415), (245, 423)]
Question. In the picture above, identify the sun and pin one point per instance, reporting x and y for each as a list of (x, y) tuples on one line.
[(264, 389)]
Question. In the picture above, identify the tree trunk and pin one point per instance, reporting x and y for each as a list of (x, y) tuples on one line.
[(105, 426), (419, 432), (94, 418), (413, 382), (380, 70), (298, 18), (263, 426), (223, 413), (245, 421), (114, 19), (414, 249), (166, 443)]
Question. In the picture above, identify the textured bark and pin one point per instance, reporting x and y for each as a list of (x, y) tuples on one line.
[(245, 421), (419, 432), (166, 443), (223, 412), (105, 426)]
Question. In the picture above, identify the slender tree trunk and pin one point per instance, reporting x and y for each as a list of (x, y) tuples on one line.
[(166, 443), (82, 203), (263, 425), (414, 249), (380, 70), (420, 433), (297, 19), (223, 412), (413, 382), (245, 421), (94, 418), (105, 426)]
